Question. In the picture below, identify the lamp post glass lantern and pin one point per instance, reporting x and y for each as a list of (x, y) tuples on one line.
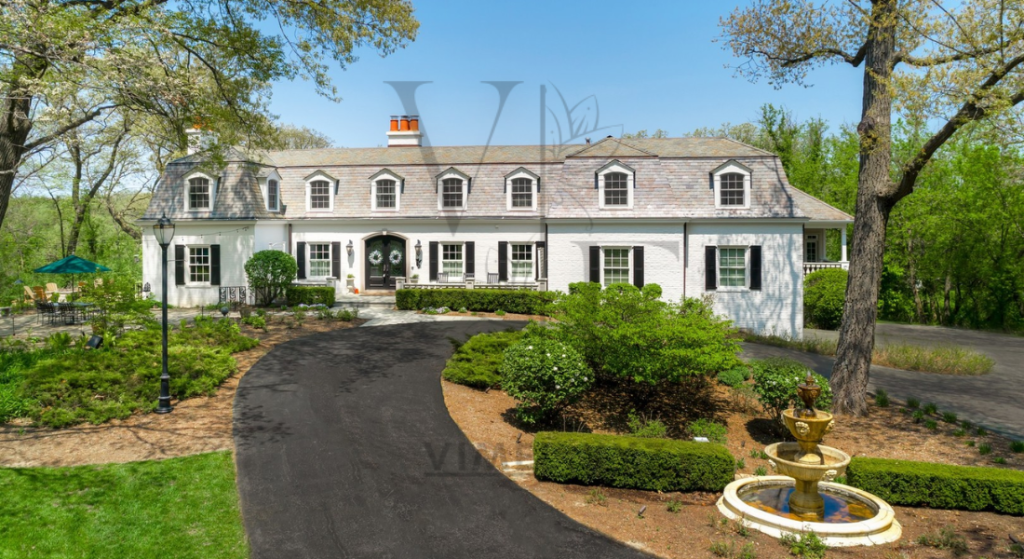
[(164, 232)]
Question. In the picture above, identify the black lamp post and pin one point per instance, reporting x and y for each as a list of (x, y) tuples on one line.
[(164, 232)]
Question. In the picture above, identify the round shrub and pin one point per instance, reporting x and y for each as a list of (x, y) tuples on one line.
[(775, 382), (824, 295), (545, 375), (270, 272)]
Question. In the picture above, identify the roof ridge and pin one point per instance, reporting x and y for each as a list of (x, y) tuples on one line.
[(744, 144)]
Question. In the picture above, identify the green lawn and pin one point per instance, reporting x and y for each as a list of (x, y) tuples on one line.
[(180, 507)]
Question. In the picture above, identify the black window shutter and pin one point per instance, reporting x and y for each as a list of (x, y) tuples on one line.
[(755, 267), (300, 258), (179, 264), (539, 262), (595, 264), (214, 264), (433, 260), (638, 266), (336, 259), (471, 258), (502, 260), (710, 268)]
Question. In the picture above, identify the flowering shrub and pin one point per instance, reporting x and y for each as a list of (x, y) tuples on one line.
[(545, 375), (775, 382)]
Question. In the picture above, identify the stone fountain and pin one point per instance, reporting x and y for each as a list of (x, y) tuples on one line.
[(802, 498)]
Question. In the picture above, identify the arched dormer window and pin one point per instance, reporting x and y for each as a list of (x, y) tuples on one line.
[(615, 183), (452, 190), (386, 191), (320, 190), (521, 188), (200, 192), (732, 185)]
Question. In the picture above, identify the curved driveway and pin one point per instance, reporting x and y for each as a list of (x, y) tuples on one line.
[(344, 448)]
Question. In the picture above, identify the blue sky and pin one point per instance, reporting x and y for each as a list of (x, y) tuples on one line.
[(648, 64)]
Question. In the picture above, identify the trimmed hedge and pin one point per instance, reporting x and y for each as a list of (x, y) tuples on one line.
[(632, 462), (309, 295), (939, 486), (478, 300)]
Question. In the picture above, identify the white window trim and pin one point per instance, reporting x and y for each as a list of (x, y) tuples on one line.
[(615, 168), (533, 191), (188, 266), (533, 264), (732, 168), (265, 189), (746, 269), (629, 253), (440, 260), (309, 259), (807, 240), (440, 191), (213, 191), (398, 192), (332, 185)]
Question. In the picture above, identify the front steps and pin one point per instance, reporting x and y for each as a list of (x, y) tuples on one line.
[(349, 301)]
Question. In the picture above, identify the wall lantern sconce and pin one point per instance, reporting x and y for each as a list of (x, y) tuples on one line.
[(350, 247), (419, 252)]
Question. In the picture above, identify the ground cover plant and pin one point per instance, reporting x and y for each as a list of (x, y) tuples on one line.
[(60, 386), (477, 360), (179, 507)]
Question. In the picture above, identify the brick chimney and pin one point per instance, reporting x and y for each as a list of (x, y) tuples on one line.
[(405, 131)]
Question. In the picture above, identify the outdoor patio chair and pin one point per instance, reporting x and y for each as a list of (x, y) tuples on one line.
[(40, 293), (46, 310), (29, 296), (51, 288), (66, 313), (492, 278), (98, 282)]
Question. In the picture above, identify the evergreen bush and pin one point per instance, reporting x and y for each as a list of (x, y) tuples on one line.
[(476, 300), (309, 295), (270, 272), (476, 362), (824, 295)]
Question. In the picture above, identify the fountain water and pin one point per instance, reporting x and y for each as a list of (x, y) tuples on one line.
[(801, 499)]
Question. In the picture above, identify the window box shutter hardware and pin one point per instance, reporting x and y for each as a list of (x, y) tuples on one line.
[(336, 259), (471, 259), (595, 264), (300, 258), (433, 260), (214, 264), (502, 260), (710, 268), (755, 267), (638, 266), (179, 264)]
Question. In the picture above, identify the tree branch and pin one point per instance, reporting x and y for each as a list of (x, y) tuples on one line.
[(68, 127)]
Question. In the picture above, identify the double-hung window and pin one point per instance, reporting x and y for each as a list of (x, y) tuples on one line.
[(386, 195), (615, 266), (615, 184), (273, 195), (199, 264), (451, 194), (199, 193), (522, 194), (732, 191), (616, 190), (319, 260), (732, 267), (319, 195), (451, 261), (522, 262)]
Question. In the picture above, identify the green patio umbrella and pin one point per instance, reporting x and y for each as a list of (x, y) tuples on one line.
[(72, 265)]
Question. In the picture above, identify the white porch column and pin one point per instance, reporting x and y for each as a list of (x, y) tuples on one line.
[(842, 243)]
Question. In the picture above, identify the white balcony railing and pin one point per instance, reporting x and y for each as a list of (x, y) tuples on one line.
[(815, 266)]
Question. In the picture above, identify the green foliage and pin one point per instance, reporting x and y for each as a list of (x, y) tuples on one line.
[(806, 546), (984, 449), (674, 506), (917, 416), (257, 322), (476, 362), (98, 509), (119, 303), (824, 296), (630, 334), (740, 463), (270, 272), (999, 460), (931, 425), (309, 295), (949, 417), (347, 315), (882, 398), (948, 360), (631, 462), (1017, 446), (775, 382), (959, 433), (477, 300), (714, 432), (499, 312), (947, 538), (722, 548), (544, 375), (981, 432), (734, 377), (596, 497), (645, 428), (913, 403), (76, 385), (930, 408), (939, 486), (760, 471)]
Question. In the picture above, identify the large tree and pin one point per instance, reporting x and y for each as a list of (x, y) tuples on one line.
[(942, 62), (206, 62)]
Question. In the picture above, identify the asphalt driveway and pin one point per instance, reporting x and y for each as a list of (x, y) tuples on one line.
[(995, 400), (344, 448)]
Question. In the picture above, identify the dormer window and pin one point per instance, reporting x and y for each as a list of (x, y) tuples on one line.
[(732, 185), (385, 191), (273, 196), (199, 193), (452, 190), (615, 182), (521, 187), (320, 192)]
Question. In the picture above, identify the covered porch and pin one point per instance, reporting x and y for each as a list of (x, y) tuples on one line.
[(824, 246)]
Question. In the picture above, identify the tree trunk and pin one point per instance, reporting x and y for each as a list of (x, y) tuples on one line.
[(857, 333), (14, 130)]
